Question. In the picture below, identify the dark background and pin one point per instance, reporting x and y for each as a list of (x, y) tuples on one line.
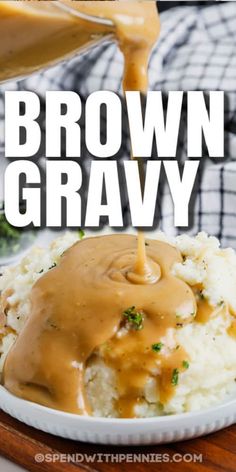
[(166, 5)]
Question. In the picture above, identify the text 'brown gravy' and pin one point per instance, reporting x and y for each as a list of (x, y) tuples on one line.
[(105, 285)]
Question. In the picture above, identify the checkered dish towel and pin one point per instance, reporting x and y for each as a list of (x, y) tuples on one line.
[(196, 51)]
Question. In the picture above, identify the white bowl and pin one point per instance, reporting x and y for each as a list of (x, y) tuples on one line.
[(119, 431)]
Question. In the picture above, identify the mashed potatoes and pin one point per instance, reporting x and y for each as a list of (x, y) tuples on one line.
[(210, 374)]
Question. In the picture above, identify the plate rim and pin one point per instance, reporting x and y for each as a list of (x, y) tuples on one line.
[(165, 419)]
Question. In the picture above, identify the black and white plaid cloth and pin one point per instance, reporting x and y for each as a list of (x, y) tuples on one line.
[(196, 51)]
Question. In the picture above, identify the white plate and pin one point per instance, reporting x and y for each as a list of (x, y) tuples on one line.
[(119, 431)]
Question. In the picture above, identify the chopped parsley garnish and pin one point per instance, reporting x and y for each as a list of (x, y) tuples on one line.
[(175, 377), (134, 318), (185, 364), (157, 347), (81, 234), (52, 266)]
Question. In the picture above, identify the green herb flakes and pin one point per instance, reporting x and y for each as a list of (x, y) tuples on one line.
[(175, 377), (81, 234), (157, 347), (52, 266), (134, 318)]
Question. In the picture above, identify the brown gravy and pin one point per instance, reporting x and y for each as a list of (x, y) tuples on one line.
[(34, 34), (101, 284), (204, 311), (77, 309)]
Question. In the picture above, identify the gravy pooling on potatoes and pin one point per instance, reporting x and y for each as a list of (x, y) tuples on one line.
[(76, 310)]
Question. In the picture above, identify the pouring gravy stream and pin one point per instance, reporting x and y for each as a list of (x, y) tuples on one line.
[(78, 307)]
